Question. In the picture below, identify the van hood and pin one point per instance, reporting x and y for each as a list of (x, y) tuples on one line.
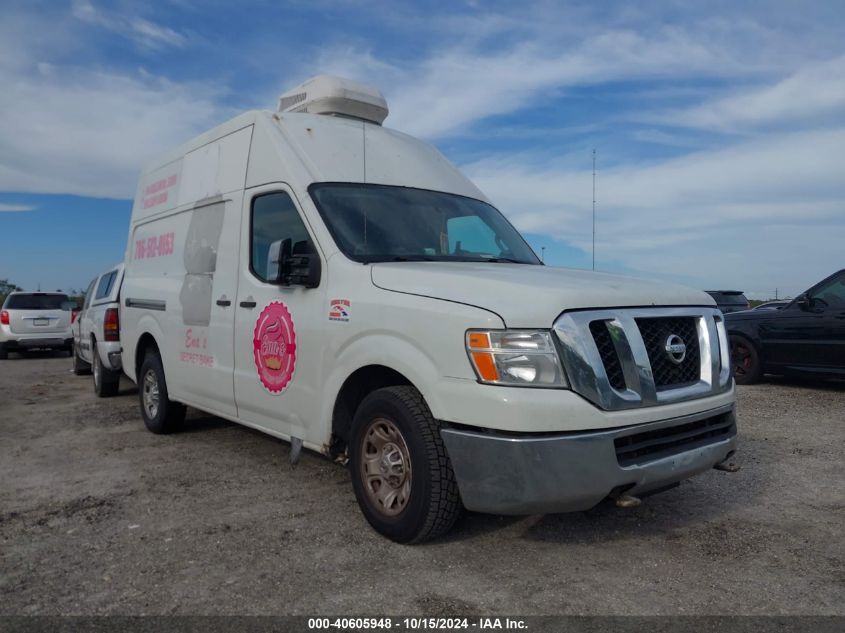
[(529, 296)]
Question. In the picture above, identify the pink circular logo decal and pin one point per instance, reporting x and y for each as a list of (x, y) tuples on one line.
[(274, 347)]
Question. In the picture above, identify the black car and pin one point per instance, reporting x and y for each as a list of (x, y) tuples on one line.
[(729, 300), (807, 336)]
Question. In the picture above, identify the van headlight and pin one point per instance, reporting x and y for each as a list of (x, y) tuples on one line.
[(519, 358)]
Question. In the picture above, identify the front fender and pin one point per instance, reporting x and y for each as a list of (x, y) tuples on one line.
[(746, 329), (388, 350)]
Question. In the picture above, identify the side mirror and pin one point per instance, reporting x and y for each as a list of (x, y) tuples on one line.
[(295, 265), (809, 303)]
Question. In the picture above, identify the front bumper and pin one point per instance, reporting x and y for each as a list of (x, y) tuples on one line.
[(502, 473)]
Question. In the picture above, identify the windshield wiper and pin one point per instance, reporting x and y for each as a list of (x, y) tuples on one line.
[(411, 258), (496, 260), (400, 258)]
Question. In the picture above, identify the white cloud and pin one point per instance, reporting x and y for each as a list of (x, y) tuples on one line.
[(85, 130), (14, 207), (816, 90), (88, 133), (446, 93), (144, 32), (715, 215), (534, 55)]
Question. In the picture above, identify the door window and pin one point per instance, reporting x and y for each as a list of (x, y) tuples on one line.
[(830, 295), (89, 294), (273, 220)]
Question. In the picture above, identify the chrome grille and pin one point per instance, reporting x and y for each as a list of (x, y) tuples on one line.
[(609, 357), (616, 359), (667, 374)]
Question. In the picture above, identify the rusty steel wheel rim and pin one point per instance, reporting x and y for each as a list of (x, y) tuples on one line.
[(386, 467)]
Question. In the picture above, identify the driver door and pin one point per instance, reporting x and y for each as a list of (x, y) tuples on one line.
[(809, 334), (278, 333), (829, 300)]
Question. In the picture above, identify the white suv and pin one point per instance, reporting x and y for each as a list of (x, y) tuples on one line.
[(30, 320), (96, 333)]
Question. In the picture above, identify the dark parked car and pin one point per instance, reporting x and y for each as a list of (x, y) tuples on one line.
[(807, 336), (729, 300)]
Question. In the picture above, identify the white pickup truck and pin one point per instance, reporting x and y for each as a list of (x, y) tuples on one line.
[(312, 274), (96, 333)]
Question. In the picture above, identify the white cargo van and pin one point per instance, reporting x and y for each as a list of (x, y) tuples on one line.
[(314, 275)]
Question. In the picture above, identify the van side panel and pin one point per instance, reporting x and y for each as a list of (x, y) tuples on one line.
[(158, 191), (181, 269), (215, 168), (178, 285)]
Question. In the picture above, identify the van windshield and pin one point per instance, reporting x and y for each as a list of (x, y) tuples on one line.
[(377, 223)]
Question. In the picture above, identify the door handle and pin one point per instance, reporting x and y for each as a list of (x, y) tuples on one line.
[(248, 304), (223, 301)]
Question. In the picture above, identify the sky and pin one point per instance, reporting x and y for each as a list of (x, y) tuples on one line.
[(718, 127)]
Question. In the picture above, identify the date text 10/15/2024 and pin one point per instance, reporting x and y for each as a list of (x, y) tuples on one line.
[(415, 624)]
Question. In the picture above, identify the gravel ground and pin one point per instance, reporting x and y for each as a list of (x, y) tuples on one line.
[(98, 516)]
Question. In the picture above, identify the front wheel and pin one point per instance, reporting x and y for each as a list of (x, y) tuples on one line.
[(746, 361), (401, 474), (161, 415)]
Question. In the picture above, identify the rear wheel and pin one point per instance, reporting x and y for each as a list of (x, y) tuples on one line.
[(161, 415), (80, 367), (106, 381), (4, 353), (746, 361), (401, 474)]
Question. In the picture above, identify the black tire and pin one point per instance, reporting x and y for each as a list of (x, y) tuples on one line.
[(745, 361), (433, 503), (106, 381), (168, 415), (80, 367), (4, 353)]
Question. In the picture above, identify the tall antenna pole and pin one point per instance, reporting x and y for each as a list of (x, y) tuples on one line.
[(594, 208)]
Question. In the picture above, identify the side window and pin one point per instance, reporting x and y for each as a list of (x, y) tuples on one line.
[(89, 294), (831, 294), (471, 235), (105, 285), (273, 220)]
